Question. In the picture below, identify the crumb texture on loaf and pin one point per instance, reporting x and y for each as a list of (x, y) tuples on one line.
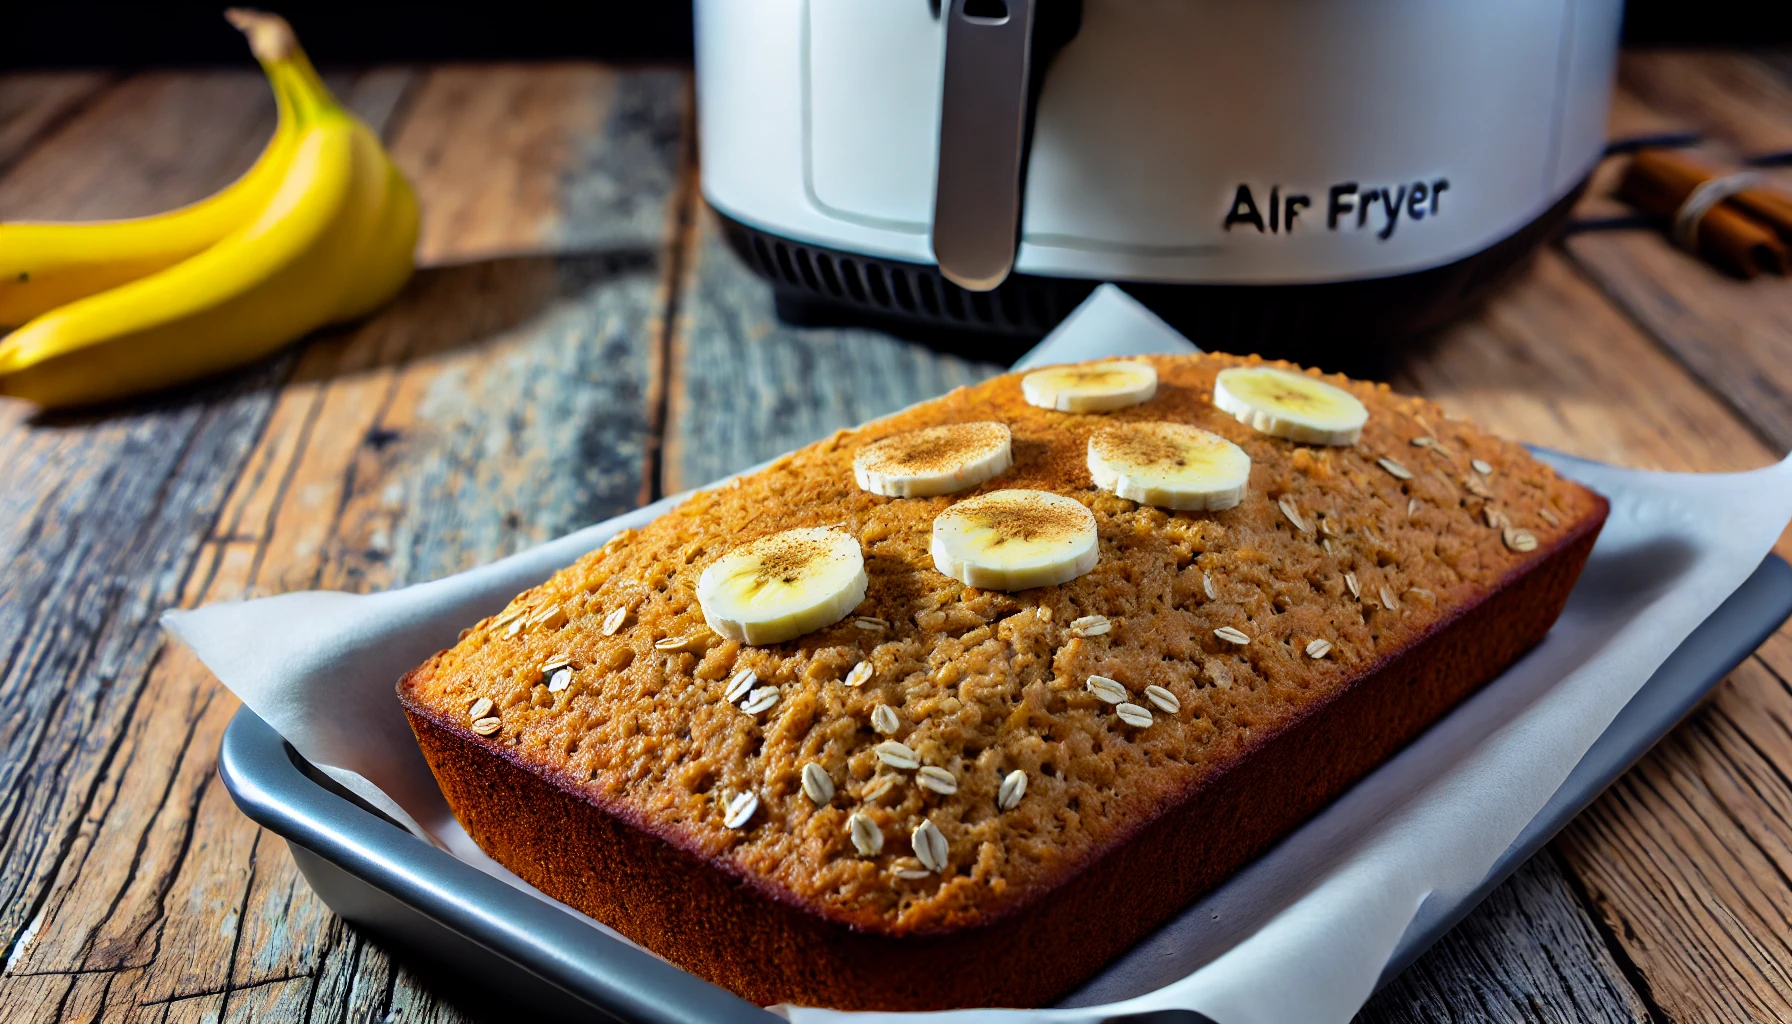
[(1217, 628)]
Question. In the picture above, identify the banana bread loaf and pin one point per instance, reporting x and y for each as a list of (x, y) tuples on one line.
[(957, 796)]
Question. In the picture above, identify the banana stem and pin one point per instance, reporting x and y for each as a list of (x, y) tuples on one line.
[(272, 41), (270, 37)]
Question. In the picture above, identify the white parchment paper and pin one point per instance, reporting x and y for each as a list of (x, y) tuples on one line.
[(1299, 936)]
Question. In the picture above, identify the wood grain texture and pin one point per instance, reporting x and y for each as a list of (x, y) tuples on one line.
[(1739, 98), (497, 403), (1685, 859), (1528, 955), (1551, 362), (157, 140), (104, 788), (746, 387), (33, 104), (542, 158), (140, 149), (1736, 335), (1688, 858)]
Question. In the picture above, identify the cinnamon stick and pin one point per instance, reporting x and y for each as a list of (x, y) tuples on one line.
[(1769, 207), (1729, 235), (1772, 208)]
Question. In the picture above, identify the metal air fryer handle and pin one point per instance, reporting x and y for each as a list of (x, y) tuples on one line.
[(983, 118)]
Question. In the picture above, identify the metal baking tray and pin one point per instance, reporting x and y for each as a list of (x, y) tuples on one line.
[(379, 876)]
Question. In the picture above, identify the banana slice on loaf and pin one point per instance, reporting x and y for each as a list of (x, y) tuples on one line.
[(934, 460), (1090, 387), (782, 586), (1171, 465), (1015, 540), (1290, 405)]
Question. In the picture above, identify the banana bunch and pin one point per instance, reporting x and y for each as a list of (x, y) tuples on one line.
[(319, 231)]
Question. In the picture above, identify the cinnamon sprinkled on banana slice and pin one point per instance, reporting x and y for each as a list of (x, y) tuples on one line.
[(1171, 465), (1282, 403), (934, 460), (1090, 387), (782, 586), (1015, 540)]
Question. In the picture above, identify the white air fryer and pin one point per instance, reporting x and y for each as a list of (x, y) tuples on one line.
[(1262, 172)]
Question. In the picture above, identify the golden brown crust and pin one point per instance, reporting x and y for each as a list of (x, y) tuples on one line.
[(1421, 598)]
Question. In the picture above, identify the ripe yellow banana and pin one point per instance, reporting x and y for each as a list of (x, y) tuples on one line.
[(45, 264), (332, 240)]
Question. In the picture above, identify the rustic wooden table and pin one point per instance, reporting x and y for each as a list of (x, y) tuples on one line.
[(580, 342)]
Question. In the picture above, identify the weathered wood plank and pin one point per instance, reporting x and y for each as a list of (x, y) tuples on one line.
[(1735, 96), (32, 104), (85, 998), (157, 140), (568, 450), (102, 556), (150, 143), (283, 999), (611, 191), (105, 906), (1688, 858), (354, 980), (103, 764), (1551, 362), (746, 387), (1736, 335), (523, 159), (496, 404), (486, 144), (40, 998), (1685, 860), (1732, 333), (1529, 954)]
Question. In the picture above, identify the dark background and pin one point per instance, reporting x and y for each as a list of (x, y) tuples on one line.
[(82, 33), (73, 33)]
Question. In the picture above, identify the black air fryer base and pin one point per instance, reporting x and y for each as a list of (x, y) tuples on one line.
[(815, 285)]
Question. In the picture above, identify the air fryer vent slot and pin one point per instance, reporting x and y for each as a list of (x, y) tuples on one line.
[(1021, 306)]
